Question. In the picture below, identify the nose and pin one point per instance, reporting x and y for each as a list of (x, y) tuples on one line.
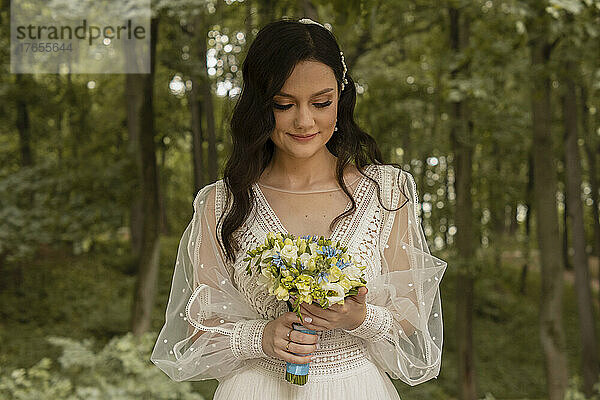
[(304, 119)]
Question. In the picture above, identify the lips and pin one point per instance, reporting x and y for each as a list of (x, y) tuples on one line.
[(300, 136)]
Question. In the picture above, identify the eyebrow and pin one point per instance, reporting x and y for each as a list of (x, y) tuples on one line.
[(313, 95)]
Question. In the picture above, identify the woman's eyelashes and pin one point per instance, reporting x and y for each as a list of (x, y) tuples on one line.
[(287, 106)]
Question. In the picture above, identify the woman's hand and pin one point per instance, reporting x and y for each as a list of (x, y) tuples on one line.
[(346, 316), (279, 332)]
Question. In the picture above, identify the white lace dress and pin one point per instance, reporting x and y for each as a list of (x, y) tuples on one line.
[(217, 313)]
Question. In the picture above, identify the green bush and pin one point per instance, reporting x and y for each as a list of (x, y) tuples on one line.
[(574, 390), (121, 370)]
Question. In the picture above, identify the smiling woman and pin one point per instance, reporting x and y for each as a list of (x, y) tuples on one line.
[(294, 135), (303, 115)]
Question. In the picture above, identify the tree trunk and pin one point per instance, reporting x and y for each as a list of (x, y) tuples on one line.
[(205, 92), (591, 150), (72, 133), (551, 331), (565, 234), (141, 86), (134, 91), (197, 151), (23, 126), (248, 22), (461, 139), (585, 306), (165, 229), (526, 244)]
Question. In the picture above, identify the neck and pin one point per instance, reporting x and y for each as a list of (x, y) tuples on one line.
[(292, 173)]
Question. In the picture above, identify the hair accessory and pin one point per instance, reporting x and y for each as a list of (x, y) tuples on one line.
[(309, 21), (344, 79)]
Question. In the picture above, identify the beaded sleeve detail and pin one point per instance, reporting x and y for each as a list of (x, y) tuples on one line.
[(376, 325), (246, 339)]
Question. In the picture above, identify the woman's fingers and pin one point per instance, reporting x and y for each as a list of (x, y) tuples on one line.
[(303, 338), (314, 322), (290, 318), (292, 358), (300, 349), (316, 310)]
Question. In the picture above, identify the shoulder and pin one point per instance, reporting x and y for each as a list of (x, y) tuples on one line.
[(392, 175), (206, 197), (396, 184)]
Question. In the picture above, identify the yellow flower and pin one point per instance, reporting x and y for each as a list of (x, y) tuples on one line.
[(334, 274), (287, 281), (282, 293), (302, 246), (304, 283), (306, 298), (345, 283)]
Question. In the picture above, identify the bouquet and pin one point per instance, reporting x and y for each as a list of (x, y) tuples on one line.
[(305, 269)]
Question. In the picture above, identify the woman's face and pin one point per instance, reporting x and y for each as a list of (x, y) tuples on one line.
[(306, 105)]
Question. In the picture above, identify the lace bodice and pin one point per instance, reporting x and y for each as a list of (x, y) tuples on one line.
[(340, 351), (360, 232), (218, 328)]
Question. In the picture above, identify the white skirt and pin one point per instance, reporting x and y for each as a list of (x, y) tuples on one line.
[(253, 383)]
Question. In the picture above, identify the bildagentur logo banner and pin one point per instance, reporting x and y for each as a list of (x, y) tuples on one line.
[(80, 36)]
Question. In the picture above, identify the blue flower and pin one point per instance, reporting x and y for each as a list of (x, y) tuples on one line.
[(322, 276), (329, 251), (309, 238), (341, 264), (277, 261)]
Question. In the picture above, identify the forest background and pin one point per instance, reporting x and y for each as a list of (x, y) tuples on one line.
[(492, 105)]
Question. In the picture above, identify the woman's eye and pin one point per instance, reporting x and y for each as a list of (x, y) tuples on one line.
[(287, 106), (281, 106), (322, 105)]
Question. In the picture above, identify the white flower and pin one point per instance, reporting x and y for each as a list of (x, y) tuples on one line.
[(304, 259), (352, 272), (289, 252), (339, 293), (265, 254), (266, 278)]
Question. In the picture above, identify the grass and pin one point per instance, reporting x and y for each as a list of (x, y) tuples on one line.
[(89, 296)]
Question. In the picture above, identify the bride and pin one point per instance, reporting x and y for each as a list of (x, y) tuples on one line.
[(301, 165)]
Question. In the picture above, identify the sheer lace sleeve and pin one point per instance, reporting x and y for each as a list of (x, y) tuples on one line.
[(403, 327), (209, 329)]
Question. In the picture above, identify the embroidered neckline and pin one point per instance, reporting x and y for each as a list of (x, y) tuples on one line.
[(270, 216), (308, 191)]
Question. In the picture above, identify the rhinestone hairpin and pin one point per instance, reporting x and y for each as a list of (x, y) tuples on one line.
[(309, 21)]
